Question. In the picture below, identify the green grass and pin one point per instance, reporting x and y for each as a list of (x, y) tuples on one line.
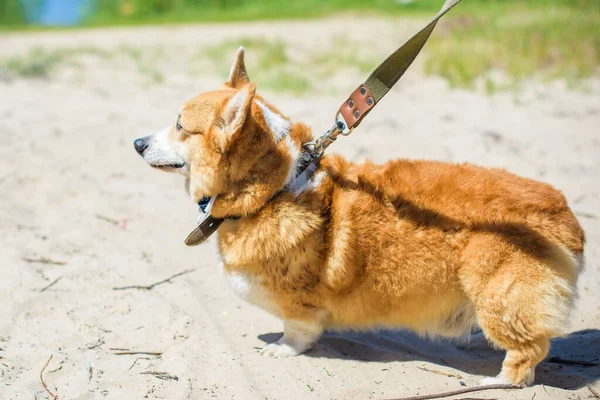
[(41, 63), (142, 12), (145, 62), (560, 40), (113, 12), (544, 39), (268, 64), (328, 61)]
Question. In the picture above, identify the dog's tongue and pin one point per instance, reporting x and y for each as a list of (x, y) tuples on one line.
[(203, 203)]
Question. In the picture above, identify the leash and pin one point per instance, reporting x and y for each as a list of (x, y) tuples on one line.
[(362, 100)]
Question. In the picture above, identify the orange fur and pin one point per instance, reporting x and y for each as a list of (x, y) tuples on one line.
[(435, 247)]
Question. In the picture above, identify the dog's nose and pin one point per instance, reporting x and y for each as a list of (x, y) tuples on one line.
[(140, 145)]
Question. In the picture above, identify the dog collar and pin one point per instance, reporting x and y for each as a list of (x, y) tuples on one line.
[(207, 224)]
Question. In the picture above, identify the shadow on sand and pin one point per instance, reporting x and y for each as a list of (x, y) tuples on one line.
[(573, 362)]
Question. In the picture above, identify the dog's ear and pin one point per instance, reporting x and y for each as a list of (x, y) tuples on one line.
[(238, 77), (236, 111)]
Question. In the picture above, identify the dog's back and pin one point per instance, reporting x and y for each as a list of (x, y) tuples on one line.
[(464, 196)]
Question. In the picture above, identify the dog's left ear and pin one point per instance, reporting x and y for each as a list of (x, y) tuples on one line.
[(236, 112), (238, 77)]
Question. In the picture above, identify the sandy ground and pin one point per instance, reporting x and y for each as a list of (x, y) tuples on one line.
[(75, 196)]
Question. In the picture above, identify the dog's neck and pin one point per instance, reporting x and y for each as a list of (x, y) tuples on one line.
[(250, 196), (298, 176)]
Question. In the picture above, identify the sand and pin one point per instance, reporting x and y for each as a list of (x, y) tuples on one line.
[(81, 214)]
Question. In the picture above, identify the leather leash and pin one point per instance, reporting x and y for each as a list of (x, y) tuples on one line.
[(385, 76), (353, 111)]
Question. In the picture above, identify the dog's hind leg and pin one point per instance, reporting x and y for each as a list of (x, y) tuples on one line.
[(523, 297), (519, 364), (298, 336)]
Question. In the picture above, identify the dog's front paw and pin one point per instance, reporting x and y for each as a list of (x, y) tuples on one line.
[(494, 380), (281, 349)]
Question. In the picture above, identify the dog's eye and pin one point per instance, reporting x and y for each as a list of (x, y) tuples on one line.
[(178, 124)]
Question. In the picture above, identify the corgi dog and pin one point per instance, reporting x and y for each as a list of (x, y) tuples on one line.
[(434, 247)]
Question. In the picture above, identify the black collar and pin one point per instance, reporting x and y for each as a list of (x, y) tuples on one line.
[(209, 224)]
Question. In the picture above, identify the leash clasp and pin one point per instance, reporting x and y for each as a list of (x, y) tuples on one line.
[(314, 150)]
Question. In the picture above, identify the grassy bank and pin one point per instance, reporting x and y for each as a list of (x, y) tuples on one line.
[(141, 12), (497, 42), (518, 40)]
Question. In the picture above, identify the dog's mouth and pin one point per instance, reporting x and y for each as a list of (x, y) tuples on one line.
[(168, 166)]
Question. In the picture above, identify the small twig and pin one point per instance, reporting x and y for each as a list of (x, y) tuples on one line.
[(461, 391), (136, 360), (558, 360), (43, 260), (161, 375), (55, 370), (147, 353), (54, 282), (132, 365), (149, 287), (586, 215), (35, 395), (435, 371), (54, 396), (93, 346), (107, 219), (596, 395)]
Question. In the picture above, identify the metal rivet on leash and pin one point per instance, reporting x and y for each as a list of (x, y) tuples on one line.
[(363, 91), (369, 100), (351, 103), (356, 113)]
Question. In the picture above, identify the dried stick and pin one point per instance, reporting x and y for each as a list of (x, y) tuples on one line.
[(596, 395), (54, 396), (461, 391), (157, 283), (161, 375), (137, 359), (43, 260), (107, 219), (435, 371), (54, 282), (130, 353), (93, 346), (586, 215)]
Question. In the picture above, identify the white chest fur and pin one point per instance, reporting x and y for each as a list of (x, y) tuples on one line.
[(249, 288)]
